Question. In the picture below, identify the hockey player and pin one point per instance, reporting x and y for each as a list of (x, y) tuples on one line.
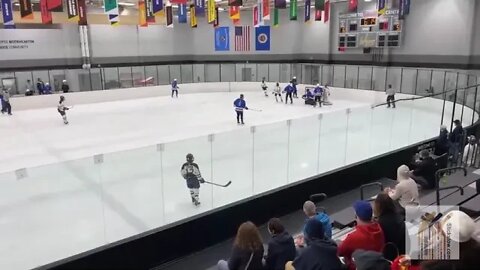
[(317, 92), (240, 105), (277, 91), (288, 90), (294, 84), (264, 87), (326, 95), (309, 98), (175, 88), (61, 108), (191, 173)]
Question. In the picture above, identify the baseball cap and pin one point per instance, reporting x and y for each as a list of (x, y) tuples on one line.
[(363, 210)]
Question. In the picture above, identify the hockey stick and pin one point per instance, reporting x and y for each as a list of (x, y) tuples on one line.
[(255, 110), (215, 184)]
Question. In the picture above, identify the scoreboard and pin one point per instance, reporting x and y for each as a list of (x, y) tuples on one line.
[(368, 30)]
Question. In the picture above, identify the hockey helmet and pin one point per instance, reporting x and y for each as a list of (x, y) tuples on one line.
[(190, 157), (62, 98)]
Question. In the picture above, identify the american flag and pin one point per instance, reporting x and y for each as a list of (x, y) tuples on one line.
[(242, 38)]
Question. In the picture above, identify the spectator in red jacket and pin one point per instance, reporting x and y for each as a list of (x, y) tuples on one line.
[(368, 235)]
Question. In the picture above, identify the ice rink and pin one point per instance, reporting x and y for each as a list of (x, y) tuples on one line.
[(67, 201)]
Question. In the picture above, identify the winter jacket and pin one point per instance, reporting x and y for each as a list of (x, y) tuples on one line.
[(426, 168), (442, 143), (65, 88), (393, 228), (240, 104), (325, 220), (406, 191), (367, 237), (240, 257), (457, 135), (281, 249), (370, 260), (320, 254)]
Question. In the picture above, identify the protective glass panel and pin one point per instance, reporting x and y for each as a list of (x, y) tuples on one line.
[(96, 79), (239, 72), (175, 73), (45, 78), (24, 80), (126, 79), (187, 73), (339, 76), (285, 75), (379, 78), (423, 82), (438, 83), (296, 70), (110, 76), (56, 77), (365, 78), (351, 81), (227, 72), (274, 72), (327, 74), (212, 72), (358, 134), (394, 77), (138, 74), (199, 73), (333, 139), (409, 81), (151, 75), (163, 75), (381, 130), (250, 73), (262, 72)]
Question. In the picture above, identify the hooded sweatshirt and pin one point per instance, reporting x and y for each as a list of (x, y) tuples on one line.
[(281, 249), (406, 191), (366, 236), (320, 254)]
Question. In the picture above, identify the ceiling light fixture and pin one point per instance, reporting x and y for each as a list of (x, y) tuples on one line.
[(127, 4)]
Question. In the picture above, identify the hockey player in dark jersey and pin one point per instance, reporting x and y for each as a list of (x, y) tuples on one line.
[(61, 108), (191, 173)]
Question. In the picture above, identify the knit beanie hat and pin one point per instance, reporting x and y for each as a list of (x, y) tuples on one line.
[(363, 210)]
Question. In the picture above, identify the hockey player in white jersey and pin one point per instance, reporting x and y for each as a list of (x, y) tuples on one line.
[(191, 173), (61, 108), (277, 91), (264, 87)]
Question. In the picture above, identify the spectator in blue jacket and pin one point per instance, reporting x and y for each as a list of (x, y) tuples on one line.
[(240, 105), (40, 86), (310, 210), (289, 91)]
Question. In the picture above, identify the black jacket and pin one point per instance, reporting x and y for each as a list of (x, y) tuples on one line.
[(281, 249), (319, 255), (457, 135), (441, 145), (393, 229), (239, 259), (426, 169)]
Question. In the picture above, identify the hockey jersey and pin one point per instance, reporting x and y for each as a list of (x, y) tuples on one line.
[(61, 107), (289, 89), (240, 104), (318, 91), (174, 85), (190, 171), (264, 86)]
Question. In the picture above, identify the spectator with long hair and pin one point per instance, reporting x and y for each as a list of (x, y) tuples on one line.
[(390, 221), (247, 251)]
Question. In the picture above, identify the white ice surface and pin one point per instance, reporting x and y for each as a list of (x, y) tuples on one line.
[(67, 204)]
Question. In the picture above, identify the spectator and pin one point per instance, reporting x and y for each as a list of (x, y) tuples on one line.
[(310, 210), (456, 140), (442, 143), (469, 151), (406, 191), (40, 86), (47, 90), (368, 235), (390, 221), (65, 86), (281, 248), (247, 252), (370, 260), (29, 88), (320, 252), (6, 108), (1, 99), (424, 173)]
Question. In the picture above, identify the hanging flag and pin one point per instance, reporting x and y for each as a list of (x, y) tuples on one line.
[(193, 16), (352, 5), (182, 13), (72, 10), (255, 16), (308, 3), (319, 4), (157, 7), (53, 4), (235, 3), (242, 38), (406, 4), (222, 38), (318, 14), (200, 7), (149, 11), (282, 4), (234, 12), (142, 14), (7, 14), (169, 14), (326, 8), (382, 7), (217, 18), (260, 14), (262, 38), (45, 13), (266, 9), (178, 1), (26, 10), (276, 17), (293, 10), (111, 8), (236, 21), (401, 9), (82, 12), (211, 11)]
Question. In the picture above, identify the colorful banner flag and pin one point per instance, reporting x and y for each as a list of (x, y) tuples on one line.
[(157, 7), (149, 11), (178, 1), (111, 9), (26, 10), (319, 4), (182, 13), (293, 10), (406, 4), (242, 38), (308, 3), (352, 5), (200, 7), (401, 9), (236, 21), (382, 7), (82, 12), (266, 9), (169, 14), (276, 17), (326, 9), (45, 13), (318, 14), (53, 4), (217, 18), (211, 11), (72, 10), (235, 3), (261, 21), (262, 38), (282, 4), (142, 14), (193, 16), (7, 14), (255, 16), (222, 38), (234, 12)]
